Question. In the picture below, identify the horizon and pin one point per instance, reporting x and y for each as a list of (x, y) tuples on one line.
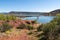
[(29, 5)]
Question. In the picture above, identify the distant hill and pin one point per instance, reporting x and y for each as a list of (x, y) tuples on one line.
[(14, 12), (52, 13), (28, 14), (55, 11)]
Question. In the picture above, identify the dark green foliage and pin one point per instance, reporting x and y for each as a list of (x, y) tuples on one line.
[(40, 28), (48, 27), (57, 19), (29, 27), (22, 26), (5, 27), (52, 29)]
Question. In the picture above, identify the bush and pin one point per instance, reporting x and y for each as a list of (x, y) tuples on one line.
[(5, 27), (29, 27), (57, 19), (40, 28), (7, 17), (2, 17), (52, 30), (10, 17), (22, 26)]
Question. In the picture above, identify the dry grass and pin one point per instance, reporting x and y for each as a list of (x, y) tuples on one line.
[(16, 35)]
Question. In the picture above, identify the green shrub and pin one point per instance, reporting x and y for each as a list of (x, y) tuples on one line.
[(40, 28), (10, 17), (52, 30), (23, 26), (5, 27), (29, 27), (2, 17), (7, 17)]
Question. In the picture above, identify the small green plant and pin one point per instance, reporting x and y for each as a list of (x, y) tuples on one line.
[(5, 27), (22, 26), (10, 17), (52, 30), (29, 27)]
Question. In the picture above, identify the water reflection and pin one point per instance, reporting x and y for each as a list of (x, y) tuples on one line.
[(41, 19)]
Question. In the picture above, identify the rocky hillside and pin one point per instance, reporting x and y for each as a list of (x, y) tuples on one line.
[(55, 11)]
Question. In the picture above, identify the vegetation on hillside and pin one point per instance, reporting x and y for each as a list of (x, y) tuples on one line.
[(14, 29), (52, 30)]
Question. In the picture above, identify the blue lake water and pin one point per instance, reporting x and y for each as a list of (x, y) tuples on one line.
[(41, 19)]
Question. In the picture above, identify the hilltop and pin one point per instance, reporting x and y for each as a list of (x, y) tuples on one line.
[(55, 11), (31, 14)]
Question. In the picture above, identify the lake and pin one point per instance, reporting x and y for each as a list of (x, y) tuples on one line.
[(41, 19)]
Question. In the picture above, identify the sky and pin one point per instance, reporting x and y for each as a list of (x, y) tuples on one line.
[(29, 5)]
